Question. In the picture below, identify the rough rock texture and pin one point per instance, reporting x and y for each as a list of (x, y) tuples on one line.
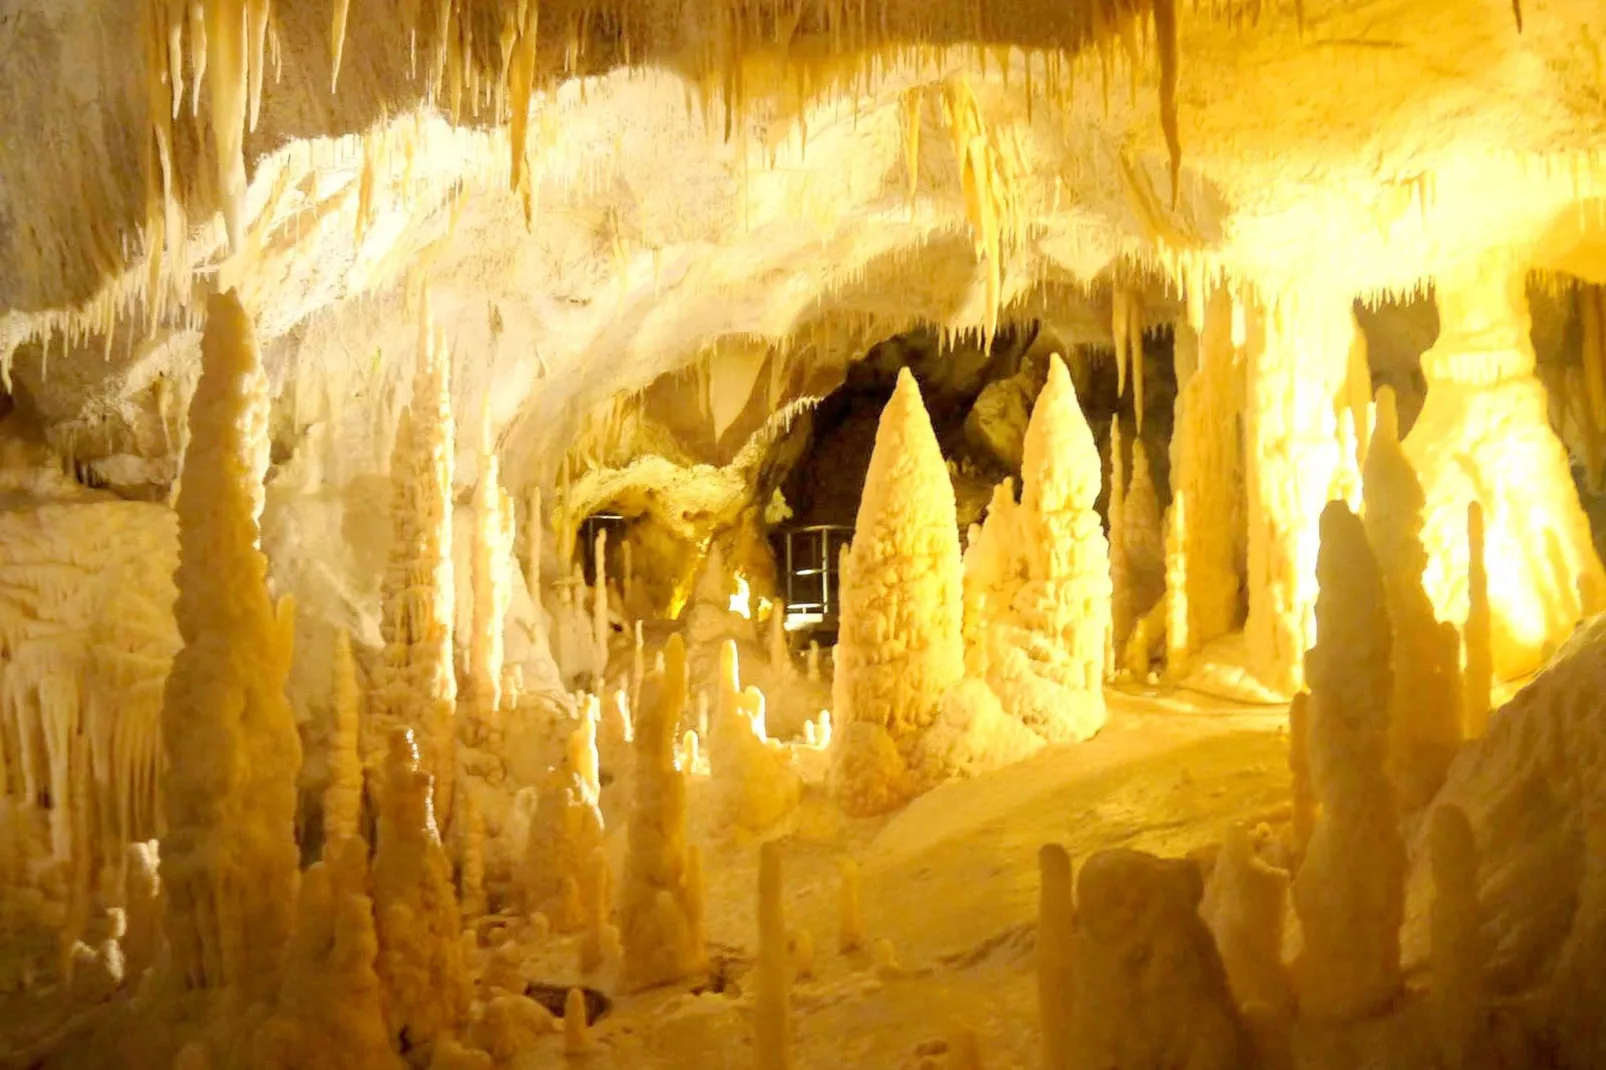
[(900, 645), (1150, 989), (1484, 435), (229, 859), (1531, 789), (1349, 891)]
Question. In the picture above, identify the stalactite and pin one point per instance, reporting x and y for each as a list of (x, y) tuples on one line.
[(337, 41), (1121, 329), (229, 858), (225, 38), (256, 36), (199, 49)]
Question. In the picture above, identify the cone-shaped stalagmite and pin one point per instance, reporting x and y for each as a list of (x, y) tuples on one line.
[(900, 645), (1046, 653), (1426, 705), (229, 856), (1350, 891)]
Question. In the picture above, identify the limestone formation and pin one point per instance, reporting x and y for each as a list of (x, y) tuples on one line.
[(900, 645), (661, 912), (1349, 892), (420, 966), (1244, 907), (416, 686), (1425, 710), (229, 862), (342, 799), (1149, 987), (1046, 655), (1483, 435)]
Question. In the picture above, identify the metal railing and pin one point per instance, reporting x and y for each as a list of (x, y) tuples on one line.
[(809, 569)]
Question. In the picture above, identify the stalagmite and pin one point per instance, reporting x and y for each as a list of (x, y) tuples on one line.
[(661, 913), (1349, 892), (1046, 658), (1304, 806), (1056, 934), (780, 651), (576, 1031), (1455, 961), (1484, 435), (1206, 470), (901, 577), (1425, 711), (811, 663), (1120, 585), (420, 965), (493, 593), (754, 784), (601, 632), (771, 1010), (416, 686), (1478, 678), (599, 939), (471, 877), (1150, 989), (229, 858), (1143, 554), (342, 799), (1298, 357), (1244, 907), (850, 931), (330, 999), (558, 877)]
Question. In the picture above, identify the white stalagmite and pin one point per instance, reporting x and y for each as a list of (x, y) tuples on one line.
[(416, 687), (1206, 472), (1350, 893), (1298, 360), (771, 1010), (780, 651), (661, 914), (754, 784), (420, 965), (557, 876), (600, 631), (1120, 584), (493, 593), (1426, 707), (342, 798), (229, 857), (1484, 435), (1478, 682), (1455, 960), (1046, 658), (1144, 555), (330, 999), (993, 572), (1056, 934), (900, 646)]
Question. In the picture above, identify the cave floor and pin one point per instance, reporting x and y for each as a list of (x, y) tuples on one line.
[(951, 882)]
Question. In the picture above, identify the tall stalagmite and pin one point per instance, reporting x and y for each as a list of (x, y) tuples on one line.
[(1426, 707), (417, 687), (1046, 659), (426, 984), (229, 857), (342, 799), (1484, 434), (1350, 890), (661, 916), (1206, 472), (493, 592), (900, 646)]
